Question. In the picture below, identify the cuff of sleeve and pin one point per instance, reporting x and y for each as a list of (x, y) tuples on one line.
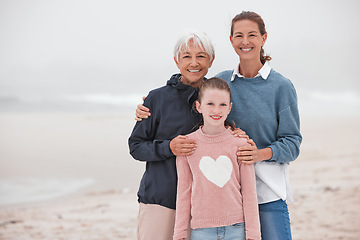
[(253, 236), (180, 235), (275, 153), (167, 151)]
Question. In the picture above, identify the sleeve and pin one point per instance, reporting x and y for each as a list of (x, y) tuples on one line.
[(250, 203), (142, 143), (287, 146), (183, 201)]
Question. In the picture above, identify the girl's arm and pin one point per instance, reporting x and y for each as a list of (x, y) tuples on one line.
[(183, 201), (250, 203)]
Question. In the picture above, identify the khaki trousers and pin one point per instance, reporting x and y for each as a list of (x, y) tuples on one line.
[(155, 222)]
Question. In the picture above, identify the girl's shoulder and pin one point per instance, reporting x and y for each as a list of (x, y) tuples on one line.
[(235, 140), (240, 141), (192, 135)]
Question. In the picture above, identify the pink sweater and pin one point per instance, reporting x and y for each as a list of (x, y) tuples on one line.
[(213, 188)]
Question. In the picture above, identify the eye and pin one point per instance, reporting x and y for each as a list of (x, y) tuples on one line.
[(238, 35), (210, 104), (223, 104), (253, 35)]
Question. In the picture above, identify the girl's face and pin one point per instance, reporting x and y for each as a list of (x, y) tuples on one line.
[(194, 64), (215, 106), (247, 40)]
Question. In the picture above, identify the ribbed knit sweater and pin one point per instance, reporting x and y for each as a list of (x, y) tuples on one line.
[(267, 110), (213, 188)]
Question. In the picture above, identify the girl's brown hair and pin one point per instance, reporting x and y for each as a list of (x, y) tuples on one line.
[(252, 16), (215, 83)]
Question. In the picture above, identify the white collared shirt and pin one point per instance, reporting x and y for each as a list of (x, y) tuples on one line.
[(263, 72)]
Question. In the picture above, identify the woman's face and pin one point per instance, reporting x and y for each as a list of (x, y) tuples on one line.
[(247, 40), (194, 64)]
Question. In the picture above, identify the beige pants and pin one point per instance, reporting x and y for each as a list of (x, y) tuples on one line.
[(155, 222)]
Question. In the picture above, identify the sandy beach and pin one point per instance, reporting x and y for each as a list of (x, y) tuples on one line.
[(74, 147)]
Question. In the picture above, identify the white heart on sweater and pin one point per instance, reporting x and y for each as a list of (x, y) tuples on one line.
[(217, 172)]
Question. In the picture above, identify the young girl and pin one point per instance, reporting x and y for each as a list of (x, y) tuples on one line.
[(216, 194)]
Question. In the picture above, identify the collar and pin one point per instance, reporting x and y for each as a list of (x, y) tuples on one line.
[(263, 72)]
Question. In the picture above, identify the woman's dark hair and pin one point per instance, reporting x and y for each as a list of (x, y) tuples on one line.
[(215, 83), (252, 16)]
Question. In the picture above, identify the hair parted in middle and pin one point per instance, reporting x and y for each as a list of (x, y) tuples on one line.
[(216, 83), (252, 16), (197, 38)]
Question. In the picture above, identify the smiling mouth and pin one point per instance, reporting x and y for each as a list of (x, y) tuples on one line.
[(216, 117), (193, 71), (246, 49)]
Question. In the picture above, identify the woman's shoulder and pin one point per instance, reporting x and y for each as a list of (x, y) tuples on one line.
[(280, 79), (225, 74), (162, 93), (174, 80), (158, 90), (276, 76), (155, 94)]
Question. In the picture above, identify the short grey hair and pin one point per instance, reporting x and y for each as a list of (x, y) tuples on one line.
[(199, 39)]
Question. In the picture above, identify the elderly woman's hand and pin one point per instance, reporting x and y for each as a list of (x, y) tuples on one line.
[(182, 146)]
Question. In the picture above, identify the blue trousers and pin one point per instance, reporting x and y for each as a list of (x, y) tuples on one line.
[(275, 221), (231, 232)]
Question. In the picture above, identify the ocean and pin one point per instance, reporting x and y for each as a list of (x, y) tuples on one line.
[(311, 102)]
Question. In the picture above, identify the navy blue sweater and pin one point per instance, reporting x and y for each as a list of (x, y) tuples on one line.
[(171, 115)]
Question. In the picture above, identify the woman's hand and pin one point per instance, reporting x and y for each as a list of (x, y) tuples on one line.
[(251, 154), (240, 133), (182, 146), (142, 112)]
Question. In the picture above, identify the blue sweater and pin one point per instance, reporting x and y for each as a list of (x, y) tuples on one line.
[(267, 111), (171, 115)]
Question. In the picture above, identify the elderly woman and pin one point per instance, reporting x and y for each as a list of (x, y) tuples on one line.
[(154, 140)]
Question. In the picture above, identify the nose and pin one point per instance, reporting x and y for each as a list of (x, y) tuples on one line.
[(217, 110), (194, 62), (245, 40)]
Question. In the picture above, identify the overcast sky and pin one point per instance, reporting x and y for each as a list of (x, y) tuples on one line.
[(114, 46)]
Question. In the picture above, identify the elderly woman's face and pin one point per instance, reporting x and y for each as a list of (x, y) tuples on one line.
[(194, 64)]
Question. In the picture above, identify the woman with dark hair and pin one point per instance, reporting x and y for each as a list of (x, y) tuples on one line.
[(265, 107)]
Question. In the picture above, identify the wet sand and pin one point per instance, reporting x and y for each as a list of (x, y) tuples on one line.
[(325, 178)]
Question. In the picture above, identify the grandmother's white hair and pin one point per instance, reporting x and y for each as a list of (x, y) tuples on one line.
[(199, 39)]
